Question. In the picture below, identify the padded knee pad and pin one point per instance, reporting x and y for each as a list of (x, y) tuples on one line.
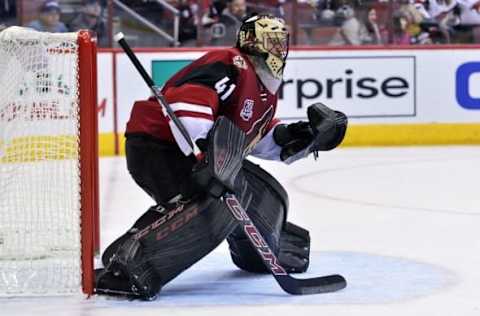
[(177, 251), (267, 207), (294, 252), (162, 244)]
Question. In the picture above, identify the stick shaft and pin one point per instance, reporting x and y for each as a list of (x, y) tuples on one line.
[(156, 92)]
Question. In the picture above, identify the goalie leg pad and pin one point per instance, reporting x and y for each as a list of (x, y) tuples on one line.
[(168, 238), (125, 270), (144, 286), (108, 283), (163, 243), (294, 248), (174, 253), (268, 207)]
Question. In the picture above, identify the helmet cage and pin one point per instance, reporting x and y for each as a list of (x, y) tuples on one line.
[(276, 43)]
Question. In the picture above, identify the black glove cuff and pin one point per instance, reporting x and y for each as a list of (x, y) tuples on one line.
[(293, 138), (281, 135)]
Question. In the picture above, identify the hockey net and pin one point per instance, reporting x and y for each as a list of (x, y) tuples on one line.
[(48, 162)]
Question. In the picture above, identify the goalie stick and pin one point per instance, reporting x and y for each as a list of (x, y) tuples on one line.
[(289, 284)]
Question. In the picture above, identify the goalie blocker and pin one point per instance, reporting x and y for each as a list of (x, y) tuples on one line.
[(170, 237)]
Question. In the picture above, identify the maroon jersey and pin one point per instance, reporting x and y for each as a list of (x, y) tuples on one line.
[(220, 83)]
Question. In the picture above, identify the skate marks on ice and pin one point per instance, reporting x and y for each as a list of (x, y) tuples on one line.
[(372, 279), (406, 185)]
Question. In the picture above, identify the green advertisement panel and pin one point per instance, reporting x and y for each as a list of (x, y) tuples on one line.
[(162, 70)]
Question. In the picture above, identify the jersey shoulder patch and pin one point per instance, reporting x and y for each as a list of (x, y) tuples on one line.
[(240, 62)]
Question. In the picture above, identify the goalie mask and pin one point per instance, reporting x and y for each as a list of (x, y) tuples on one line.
[(265, 39)]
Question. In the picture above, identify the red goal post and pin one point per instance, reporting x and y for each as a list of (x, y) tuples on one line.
[(88, 156)]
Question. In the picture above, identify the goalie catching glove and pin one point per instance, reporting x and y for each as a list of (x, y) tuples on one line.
[(324, 131)]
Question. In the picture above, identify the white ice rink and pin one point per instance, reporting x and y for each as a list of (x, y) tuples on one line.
[(401, 224)]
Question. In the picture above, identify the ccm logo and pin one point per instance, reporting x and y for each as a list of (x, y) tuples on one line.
[(463, 89)]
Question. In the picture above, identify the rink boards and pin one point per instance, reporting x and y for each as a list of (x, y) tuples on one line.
[(394, 96)]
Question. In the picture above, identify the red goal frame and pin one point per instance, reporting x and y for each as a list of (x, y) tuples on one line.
[(89, 188)]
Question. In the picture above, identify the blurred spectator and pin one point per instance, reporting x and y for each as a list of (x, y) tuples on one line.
[(8, 13), (400, 24), (443, 13), (224, 32), (325, 12), (351, 31), (417, 21), (414, 17), (90, 18), (188, 24), (150, 10), (49, 18), (215, 10), (469, 14), (373, 30)]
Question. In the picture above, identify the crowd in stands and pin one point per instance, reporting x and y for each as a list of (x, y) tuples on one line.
[(332, 22), (400, 22), (90, 16), (223, 19), (8, 10)]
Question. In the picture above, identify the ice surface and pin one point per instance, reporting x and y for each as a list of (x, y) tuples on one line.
[(402, 225)]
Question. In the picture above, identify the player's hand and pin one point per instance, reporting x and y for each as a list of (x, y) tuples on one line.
[(324, 131), (293, 138), (206, 181)]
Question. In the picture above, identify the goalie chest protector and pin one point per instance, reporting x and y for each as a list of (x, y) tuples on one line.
[(220, 83)]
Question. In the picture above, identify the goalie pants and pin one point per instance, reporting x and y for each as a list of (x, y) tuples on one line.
[(162, 171)]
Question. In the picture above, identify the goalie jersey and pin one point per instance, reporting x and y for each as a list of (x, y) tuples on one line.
[(221, 83)]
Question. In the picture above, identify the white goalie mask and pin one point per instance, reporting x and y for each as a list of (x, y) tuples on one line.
[(265, 39)]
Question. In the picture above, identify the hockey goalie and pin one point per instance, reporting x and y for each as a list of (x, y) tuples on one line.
[(190, 218)]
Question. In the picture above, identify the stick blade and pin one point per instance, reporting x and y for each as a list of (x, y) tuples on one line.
[(324, 284)]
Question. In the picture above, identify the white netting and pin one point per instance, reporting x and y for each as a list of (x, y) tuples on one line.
[(39, 163)]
